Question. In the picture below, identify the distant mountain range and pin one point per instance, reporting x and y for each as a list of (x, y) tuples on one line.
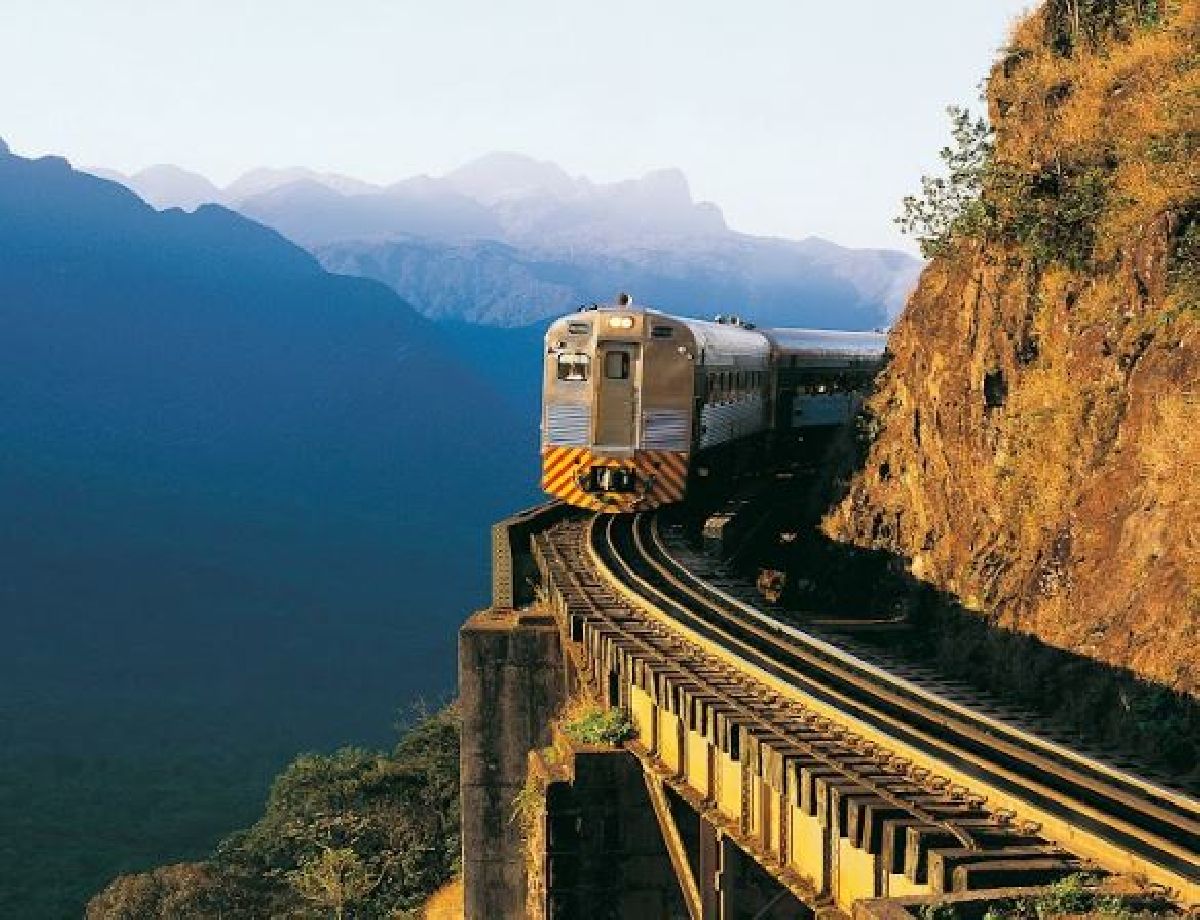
[(245, 502), (509, 240)]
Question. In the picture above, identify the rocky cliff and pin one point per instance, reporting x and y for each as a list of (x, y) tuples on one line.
[(1034, 444)]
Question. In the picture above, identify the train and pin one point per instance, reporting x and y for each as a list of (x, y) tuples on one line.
[(638, 403)]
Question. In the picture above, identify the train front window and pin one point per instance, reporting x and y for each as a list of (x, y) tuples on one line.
[(616, 365), (573, 367)]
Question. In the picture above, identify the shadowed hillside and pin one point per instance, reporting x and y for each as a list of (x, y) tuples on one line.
[(244, 503)]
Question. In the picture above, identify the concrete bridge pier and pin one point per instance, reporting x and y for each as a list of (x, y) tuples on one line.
[(512, 682)]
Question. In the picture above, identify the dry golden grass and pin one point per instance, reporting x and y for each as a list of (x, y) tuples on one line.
[(575, 708), (1109, 103), (446, 903), (1170, 455), (1105, 105), (1044, 454)]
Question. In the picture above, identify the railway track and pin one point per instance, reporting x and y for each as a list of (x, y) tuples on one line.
[(953, 796)]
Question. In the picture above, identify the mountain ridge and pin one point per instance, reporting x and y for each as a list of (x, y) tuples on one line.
[(647, 233), (221, 469)]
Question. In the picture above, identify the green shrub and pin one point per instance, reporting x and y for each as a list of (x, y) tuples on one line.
[(1183, 273), (1070, 895), (937, 912), (952, 206), (1070, 22), (600, 726), (1051, 210), (357, 832)]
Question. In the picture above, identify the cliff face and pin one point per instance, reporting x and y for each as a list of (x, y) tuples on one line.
[(1035, 439)]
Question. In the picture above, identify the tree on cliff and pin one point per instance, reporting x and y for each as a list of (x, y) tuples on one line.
[(177, 892), (355, 833), (1053, 194), (953, 206)]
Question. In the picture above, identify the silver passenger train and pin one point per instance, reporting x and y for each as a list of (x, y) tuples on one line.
[(636, 401)]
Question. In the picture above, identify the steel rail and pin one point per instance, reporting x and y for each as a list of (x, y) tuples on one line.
[(607, 550), (1170, 804), (1176, 833), (1183, 823), (971, 744)]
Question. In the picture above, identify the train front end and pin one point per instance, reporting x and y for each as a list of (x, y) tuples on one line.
[(616, 410)]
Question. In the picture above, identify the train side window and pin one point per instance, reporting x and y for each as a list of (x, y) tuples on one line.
[(616, 365), (573, 367)]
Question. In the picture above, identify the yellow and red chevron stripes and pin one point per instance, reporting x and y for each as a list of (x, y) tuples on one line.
[(665, 470)]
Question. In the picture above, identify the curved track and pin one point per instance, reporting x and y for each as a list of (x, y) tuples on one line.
[(1157, 828)]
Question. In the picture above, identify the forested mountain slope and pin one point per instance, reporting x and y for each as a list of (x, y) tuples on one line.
[(244, 504)]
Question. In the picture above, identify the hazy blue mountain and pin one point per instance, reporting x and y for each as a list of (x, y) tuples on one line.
[(167, 186), (257, 181), (495, 177), (245, 504), (655, 211), (773, 282), (171, 187), (311, 213), (501, 198), (508, 240)]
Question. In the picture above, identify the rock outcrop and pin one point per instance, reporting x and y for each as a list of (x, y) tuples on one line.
[(1035, 440)]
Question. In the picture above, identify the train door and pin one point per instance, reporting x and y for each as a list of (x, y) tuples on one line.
[(616, 394)]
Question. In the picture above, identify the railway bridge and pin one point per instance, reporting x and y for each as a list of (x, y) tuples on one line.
[(773, 773)]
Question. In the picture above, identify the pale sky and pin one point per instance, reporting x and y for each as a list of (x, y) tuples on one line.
[(797, 117)]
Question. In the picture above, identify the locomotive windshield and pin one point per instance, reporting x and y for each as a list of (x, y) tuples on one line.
[(616, 365), (573, 366)]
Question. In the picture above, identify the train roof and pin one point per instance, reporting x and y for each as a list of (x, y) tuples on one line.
[(736, 338), (827, 342), (724, 338)]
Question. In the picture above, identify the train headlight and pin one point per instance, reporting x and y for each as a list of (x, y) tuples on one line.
[(620, 322)]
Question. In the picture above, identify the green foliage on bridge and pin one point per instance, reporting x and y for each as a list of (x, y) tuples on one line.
[(598, 726)]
